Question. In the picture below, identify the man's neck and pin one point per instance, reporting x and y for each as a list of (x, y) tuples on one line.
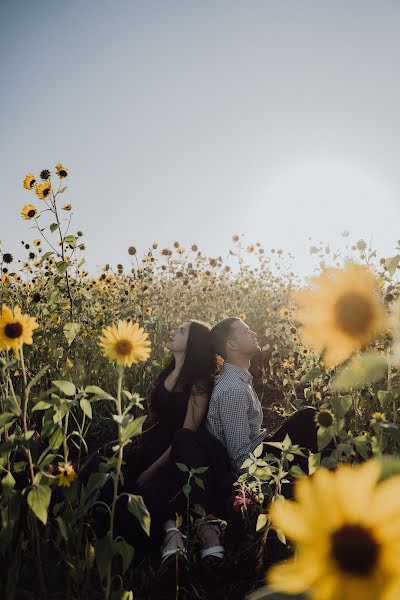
[(242, 362)]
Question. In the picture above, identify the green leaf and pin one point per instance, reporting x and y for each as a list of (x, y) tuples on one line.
[(56, 438), (362, 369), (53, 227), (391, 264), (62, 266), (42, 405), (385, 398), (7, 483), (96, 481), (86, 407), (182, 467), (104, 555), (311, 375), (37, 377), (201, 470), (324, 436), (67, 387), (138, 508), (63, 190), (186, 489), (262, 520), (94, 389), (390, 467), (126, 551), (341, 404), (62, 528), (132, 429), (199, 482), (258, 450), (71, 330), (5, 418), (39, 500)]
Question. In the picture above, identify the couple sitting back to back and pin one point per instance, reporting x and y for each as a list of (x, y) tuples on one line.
[(206, 413)]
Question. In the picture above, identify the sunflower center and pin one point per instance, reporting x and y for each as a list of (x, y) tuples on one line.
[(31, 213), (355, 549), (123, 347), (46, 192), (13, 330), (325, 418), (353, 313)]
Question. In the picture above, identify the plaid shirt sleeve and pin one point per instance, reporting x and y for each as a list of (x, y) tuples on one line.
[(233, 409)]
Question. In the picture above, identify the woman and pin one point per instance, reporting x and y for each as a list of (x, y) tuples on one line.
[(179, 402)]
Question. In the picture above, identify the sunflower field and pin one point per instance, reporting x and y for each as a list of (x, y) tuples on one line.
[(78, 354)]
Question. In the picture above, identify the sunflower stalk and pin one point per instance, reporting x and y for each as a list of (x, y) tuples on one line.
[(120, 370), (71, 309), (25, 412)]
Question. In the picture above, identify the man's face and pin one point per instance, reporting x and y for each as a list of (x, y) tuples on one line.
[(243, 339)]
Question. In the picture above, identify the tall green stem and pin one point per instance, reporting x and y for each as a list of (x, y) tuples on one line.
[(117, 473), (25, 413)]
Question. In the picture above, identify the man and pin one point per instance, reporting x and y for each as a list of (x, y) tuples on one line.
[(235, 415)]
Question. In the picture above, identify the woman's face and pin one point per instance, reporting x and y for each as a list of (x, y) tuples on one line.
[(178, 338)]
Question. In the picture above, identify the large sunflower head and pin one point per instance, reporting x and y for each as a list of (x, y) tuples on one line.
[(344, 527), (342, 314), (29, 212), (125, 343), (15, 329), (43, 190), (61, 171), (29, 181)]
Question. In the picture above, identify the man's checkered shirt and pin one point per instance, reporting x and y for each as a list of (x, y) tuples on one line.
[(235, 414)]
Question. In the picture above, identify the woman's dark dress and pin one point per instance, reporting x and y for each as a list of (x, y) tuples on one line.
[(162, 494)]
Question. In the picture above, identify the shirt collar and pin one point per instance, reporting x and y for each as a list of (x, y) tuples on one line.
[(243, 375)]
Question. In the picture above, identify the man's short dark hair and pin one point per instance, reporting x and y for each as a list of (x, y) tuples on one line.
[(220, 334)]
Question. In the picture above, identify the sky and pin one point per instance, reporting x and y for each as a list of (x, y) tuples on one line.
[(196, 120)]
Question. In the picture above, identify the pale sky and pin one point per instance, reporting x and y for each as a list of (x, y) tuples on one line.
[(194, 120)]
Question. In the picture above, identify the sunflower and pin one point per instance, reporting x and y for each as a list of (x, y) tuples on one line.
[(343, 315), (29, 212), (324, 418), (15, 329), (345, 530), (29, 181), (61, 171), (66, 206), (126, 343), (5, 279), (242, 316), (66, 475), (43, 190), (378, 416), (37, 242)]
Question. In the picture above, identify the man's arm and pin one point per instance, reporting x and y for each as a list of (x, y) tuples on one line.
[(233, 411)]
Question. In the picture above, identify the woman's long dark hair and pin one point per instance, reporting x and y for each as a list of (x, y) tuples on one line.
[(201, 364)]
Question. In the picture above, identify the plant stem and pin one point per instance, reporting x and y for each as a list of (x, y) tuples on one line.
[(117, 474), (25, 413)]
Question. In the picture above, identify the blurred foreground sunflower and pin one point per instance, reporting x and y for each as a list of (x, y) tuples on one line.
[(346, 532), (343, 314), (125, 343), (15, 329)]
